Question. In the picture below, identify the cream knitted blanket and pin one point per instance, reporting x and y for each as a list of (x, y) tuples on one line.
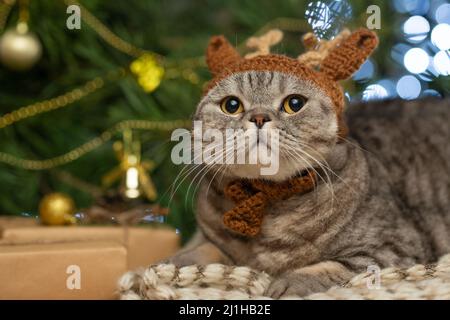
[(216, 281)]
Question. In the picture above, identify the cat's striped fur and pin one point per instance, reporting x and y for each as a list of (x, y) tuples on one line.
[(386, 201)]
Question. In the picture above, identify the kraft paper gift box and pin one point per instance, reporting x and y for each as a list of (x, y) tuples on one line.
[(105, 252), (145, 245), (77, 270)]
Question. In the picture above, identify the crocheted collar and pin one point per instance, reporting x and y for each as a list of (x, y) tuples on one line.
[(253, 196)]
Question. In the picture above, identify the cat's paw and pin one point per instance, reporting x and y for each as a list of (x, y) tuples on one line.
[(182, 259), (294, 285)]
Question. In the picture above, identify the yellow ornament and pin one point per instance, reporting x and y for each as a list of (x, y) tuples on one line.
[(20, 49), (57, 209), (148, 71)]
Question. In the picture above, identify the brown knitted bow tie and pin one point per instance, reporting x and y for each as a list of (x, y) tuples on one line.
[(253, 196)]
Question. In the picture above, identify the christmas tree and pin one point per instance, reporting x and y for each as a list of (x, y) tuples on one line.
[(137, 68)]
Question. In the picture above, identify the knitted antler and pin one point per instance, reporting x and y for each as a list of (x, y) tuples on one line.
[(317, 50), (340, 57), (344, 60), (263, 43)]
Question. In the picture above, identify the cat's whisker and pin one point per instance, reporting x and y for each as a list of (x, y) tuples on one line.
[(228, 151), (356, 145), (306, 154), (323, 166), (327, 181), (205, 169), (332, 171), (181, 173), (221, 168), (189, 172), (171, 186), (324, 163), (292, 157)]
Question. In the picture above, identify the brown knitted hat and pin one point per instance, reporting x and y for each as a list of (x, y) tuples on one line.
[(341, 62)]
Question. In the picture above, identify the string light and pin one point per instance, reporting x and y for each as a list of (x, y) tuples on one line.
[(389, 86), (412, 6), (374, 92), (442, 14), (365, 72), (416, 29), (408, 87), (440, 36), (416, 60), (431, 93), (441, 63)]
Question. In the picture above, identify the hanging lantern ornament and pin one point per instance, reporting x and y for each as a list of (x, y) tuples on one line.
[(20, 49), (327, 18), (133, 172)]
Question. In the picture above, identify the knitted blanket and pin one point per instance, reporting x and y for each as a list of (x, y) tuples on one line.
[(216, 281)]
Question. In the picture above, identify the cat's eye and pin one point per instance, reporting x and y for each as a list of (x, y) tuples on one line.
[(293, 103), (232, 105)]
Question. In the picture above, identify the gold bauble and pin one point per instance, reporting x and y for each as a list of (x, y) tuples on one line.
[(57, 209), (19, 49)]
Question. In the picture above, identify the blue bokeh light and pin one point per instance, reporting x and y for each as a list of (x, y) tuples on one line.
[(442, 14), (408, 87), (419, 7), (374, 92), (431, 93), (365, 72), (389, 86), (441, 62), (416, 29), (440, 36)]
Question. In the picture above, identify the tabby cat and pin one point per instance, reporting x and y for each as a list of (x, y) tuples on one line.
[(383, 197)]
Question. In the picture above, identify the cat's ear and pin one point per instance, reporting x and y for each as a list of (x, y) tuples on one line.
[(219, 54), (345, 59)]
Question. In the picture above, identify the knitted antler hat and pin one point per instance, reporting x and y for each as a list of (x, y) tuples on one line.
[(340, 63), (323, 65)]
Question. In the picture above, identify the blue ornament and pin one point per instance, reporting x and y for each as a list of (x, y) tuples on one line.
[(328, 17)]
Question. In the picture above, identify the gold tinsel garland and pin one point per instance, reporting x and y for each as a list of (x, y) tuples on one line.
[(62, 100), (5, 8), (147, 67), (91, 145)]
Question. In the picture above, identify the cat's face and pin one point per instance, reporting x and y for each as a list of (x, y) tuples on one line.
[(303, 115)]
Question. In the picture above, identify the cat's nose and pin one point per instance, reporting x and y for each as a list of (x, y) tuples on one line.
[(260, 119)]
